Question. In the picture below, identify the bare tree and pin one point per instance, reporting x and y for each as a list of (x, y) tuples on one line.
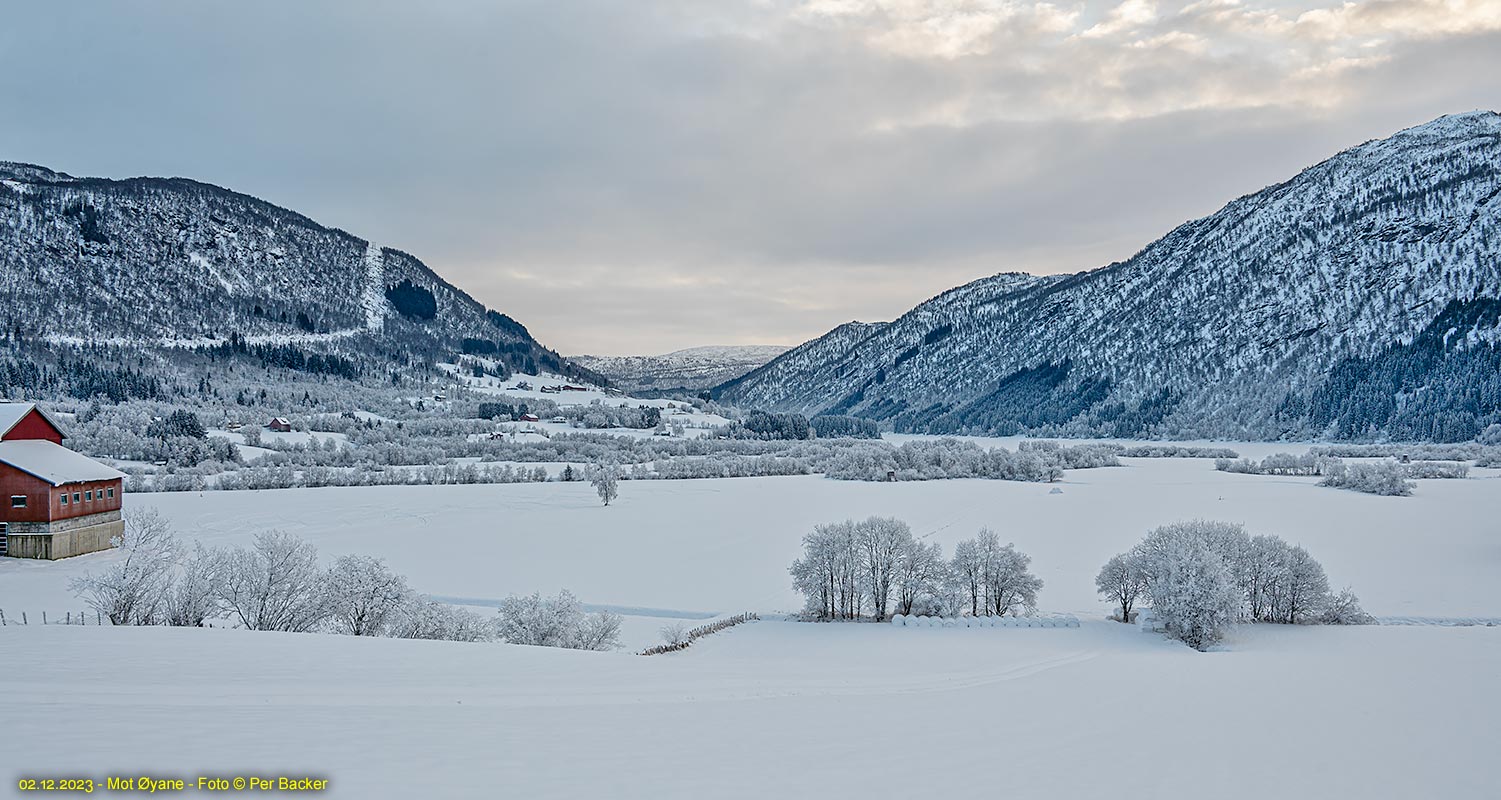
[(133, 590), (275, 584), (1121, 581), (920, 574), (191, 600), (881, 541)]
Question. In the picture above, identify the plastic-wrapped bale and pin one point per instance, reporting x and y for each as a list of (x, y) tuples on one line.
[(1073, 622), (923, 622), (949, 622), (899, 619)]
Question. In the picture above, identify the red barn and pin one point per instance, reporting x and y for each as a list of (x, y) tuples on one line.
[(54, 503)]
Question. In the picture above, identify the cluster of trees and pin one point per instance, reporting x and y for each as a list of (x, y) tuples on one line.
[(853, 570), (1201, 577), (1386, 477), (1278, 464), (217, 475), (556, 622), (1373, 477), (767, 425), (835, 426), (939, 459), (1175, 451), (275, 584)]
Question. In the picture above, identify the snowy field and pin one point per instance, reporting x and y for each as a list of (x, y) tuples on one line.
[(788, 709), (775, 709)]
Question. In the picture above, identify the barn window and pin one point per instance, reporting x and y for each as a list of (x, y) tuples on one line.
[(64, 497), (112, 493), (18, 501), (76, 498), (89, 495)]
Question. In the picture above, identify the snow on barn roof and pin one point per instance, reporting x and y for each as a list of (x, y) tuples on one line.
[(54, 463), (11, 414)]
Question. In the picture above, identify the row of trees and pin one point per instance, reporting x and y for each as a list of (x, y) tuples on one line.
[(851, 570), (278, 584), (275, 584), (1200, 577)]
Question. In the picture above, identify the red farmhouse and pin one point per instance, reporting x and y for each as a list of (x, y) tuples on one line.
[(54, 503)]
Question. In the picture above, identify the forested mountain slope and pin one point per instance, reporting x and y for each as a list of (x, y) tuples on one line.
[(153, 265), (1360, 299)]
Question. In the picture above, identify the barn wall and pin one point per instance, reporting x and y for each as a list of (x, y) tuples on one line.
[(37, 491), (83, 508), (34, 426)]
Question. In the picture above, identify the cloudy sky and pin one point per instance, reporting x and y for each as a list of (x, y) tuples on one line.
[(643, 175)]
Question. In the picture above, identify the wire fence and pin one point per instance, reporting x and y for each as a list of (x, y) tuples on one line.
[(699, 633), (80, 617)]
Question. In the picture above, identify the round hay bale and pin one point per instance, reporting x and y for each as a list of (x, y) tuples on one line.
[(899, 619)]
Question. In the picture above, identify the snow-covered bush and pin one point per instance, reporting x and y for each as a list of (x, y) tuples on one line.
[(556, 622), (420, 618), (1379, 477)]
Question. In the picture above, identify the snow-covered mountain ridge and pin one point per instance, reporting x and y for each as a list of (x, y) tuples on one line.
[(692, 368), (1361, 298), (170, 263)]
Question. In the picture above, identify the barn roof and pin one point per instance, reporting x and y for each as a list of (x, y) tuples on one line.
[(54, 463), (11, 415)]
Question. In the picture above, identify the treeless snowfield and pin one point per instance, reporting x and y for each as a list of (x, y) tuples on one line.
[(790, 709), (773, 709)]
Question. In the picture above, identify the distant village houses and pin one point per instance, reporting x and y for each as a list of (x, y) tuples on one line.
[(54, 502)]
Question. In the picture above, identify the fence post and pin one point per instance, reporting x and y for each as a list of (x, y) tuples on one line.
[(2, 617), (44, 618), (24, 621), (68, 620)]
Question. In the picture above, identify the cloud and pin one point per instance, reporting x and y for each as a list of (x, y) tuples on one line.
[(648, 176)]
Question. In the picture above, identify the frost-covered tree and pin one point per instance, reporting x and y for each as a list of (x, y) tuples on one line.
[(920, 576), (967, 572), (830, 574), (597, 631), (365, 596), (274, 585), (881, 541), (606, 480), (134, 589), (191, 600), (1009, 587), (1192, 591), (1121, 581)]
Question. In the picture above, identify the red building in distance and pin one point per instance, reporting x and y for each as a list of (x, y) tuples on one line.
[(54, 502)]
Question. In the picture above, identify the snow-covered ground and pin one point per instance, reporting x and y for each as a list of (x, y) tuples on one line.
[(723, 545), (786, 709), (774, 709)]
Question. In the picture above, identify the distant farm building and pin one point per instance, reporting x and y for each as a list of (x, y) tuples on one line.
[(280, 425), (56, 503), (528, 418)]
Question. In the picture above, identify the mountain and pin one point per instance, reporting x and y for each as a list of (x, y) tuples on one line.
[(693, 368), (168, 264), (1360, 299)]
